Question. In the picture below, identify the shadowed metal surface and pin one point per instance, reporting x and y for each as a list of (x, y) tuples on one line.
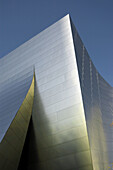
[(98, 104)]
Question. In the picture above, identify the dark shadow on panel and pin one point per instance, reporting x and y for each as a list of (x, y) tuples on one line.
[(27, 153)]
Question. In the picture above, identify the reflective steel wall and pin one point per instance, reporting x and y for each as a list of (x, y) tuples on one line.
[(66, 130), (98, 104)]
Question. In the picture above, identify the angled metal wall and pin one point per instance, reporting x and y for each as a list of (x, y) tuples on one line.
[(98, 104)]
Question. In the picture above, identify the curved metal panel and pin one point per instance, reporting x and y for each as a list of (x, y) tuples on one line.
[(12, 93), (12, 144)]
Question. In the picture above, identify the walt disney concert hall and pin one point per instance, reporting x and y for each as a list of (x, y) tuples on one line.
[(56, 110)]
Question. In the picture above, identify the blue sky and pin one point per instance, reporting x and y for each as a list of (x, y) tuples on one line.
[(22, 19)]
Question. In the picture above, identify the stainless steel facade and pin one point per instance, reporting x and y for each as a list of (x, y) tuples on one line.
[(73, 106), (98, 106)]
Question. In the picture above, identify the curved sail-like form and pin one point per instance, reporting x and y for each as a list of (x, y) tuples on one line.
[(71, 123), (11, 145), (13, 89)]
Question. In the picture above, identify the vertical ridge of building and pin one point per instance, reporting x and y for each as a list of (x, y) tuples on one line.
[(81, 79)]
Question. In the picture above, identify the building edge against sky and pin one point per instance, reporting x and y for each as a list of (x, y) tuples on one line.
[(72, 109)]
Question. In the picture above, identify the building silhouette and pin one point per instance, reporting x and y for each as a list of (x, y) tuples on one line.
[(56, 110)]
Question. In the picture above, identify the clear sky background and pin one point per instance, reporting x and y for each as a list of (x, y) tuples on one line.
[(20, 20)]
